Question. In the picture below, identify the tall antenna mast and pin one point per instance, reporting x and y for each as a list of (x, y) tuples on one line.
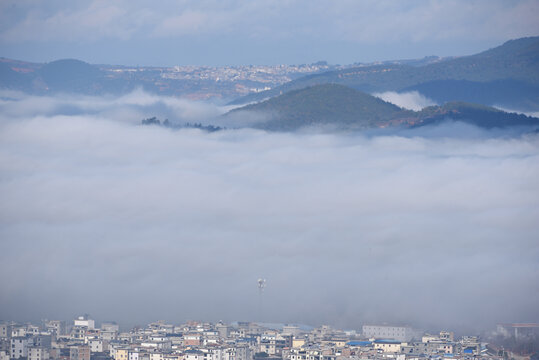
[(261, 286)]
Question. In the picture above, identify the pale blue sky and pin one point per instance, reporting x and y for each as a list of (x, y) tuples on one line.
[(218, 32)]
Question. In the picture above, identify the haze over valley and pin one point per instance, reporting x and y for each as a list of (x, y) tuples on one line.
[(130, 207), (363, 189)]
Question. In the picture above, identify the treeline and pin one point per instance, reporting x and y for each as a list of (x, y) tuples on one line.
[(166, 123)]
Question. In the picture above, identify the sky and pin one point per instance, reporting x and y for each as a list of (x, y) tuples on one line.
[(233, 32), (435, 228)]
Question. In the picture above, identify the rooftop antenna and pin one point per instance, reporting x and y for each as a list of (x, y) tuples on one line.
[(261, 285)]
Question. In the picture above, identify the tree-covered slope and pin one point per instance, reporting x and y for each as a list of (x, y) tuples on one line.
[(475, 114), (61, 76), (10, 79), (70, 75), (327, 104), (337, 106)]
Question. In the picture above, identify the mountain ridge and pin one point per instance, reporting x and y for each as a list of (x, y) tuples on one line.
[(516, 60), (345, 108), (321, 105), (505, 76)]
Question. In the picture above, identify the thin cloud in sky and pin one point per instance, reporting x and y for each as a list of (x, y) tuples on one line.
[(353, 20), (265, 25)]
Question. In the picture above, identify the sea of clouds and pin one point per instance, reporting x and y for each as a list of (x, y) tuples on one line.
[(136, 223)]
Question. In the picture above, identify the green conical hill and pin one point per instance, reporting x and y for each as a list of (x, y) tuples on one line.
[(327, 104)]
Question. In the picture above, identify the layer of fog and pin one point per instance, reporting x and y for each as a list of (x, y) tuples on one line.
[(138, 223), (411, 100), (130, 108)]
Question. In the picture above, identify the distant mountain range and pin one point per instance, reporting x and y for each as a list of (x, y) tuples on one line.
[(194, 82), (340, 107), (67, 76), (507, 76)]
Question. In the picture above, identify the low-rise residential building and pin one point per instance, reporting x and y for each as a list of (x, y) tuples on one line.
[(19, 347), (55, 327), (96, 345), (84, 321), (155, 356), (5, 330), (133, 355), (79, 352), (308, 354), (42, 340), (38, 353), (388, 346), (121, 354), (240, 341)]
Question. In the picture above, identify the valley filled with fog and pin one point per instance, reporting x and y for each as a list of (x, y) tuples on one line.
[(134, 223)]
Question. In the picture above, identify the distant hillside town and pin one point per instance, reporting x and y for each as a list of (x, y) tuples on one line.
[(83, 340), (506, 76)]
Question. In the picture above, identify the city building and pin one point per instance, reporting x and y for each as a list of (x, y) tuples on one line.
[(19, 347), (38, 353)]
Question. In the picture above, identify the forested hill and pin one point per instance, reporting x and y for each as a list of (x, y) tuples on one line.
[(339, 107), (327, 104)]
